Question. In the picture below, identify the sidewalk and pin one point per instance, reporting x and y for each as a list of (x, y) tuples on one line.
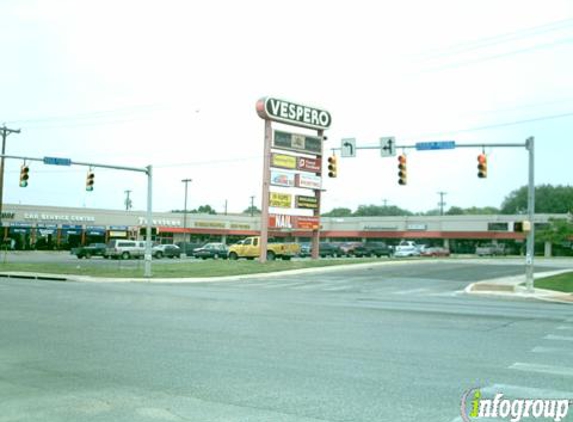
[(508, 287)]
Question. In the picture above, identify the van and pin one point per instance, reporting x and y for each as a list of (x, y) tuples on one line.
[(125, 249)]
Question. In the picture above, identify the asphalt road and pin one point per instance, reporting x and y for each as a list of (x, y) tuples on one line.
[(390, 343)]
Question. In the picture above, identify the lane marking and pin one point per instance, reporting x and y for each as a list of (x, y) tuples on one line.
[(565, 327)]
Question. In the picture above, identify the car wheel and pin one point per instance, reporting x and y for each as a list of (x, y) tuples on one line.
[(159, 255), (88, 255), (125, 255), (216, 256), (270, 256), (233, 256)]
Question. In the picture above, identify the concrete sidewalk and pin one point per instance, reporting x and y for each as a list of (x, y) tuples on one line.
[(508, 287)]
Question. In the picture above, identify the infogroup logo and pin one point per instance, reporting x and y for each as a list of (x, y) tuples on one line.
[(474, 406)]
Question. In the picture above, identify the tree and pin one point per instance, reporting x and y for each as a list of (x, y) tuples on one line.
[(204, 209), (252, 210), (548, 199), (338, 212), (379, 211), (558, 231)]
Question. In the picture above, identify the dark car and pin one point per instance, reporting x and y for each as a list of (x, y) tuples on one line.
[(168, 251), (188, 247), (94, 249), (329, 249), (377, 249), (211, 250)]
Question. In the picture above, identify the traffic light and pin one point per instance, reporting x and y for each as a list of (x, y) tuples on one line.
[(482, 166), (518, 226), (332, 166), (90, 181), (24, 170), (402, 169)]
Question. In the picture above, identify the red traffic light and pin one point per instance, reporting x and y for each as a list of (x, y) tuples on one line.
[(402, 173), (482, 166)]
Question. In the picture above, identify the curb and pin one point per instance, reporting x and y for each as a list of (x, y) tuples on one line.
[(508, 287)]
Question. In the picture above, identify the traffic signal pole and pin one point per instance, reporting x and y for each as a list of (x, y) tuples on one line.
[(147, 170), (529, 146), (5, 132)]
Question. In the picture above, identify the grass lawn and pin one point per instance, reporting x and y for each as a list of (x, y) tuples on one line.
[(561, 283), (208, 268)]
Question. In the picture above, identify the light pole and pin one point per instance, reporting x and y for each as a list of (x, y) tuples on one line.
[(186, 181)]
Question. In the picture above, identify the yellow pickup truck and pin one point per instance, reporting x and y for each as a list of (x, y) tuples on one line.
[(250, 248)]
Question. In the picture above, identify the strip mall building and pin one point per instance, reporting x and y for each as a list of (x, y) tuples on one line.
[(42, 227)]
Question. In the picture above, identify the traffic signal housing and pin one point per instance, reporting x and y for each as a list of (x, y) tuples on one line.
[(90, 181), (332, 166), (482, 166), (24, 176), (402, 172)]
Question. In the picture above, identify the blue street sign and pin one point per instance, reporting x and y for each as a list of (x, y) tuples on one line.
[(58, 161), (426, 146)]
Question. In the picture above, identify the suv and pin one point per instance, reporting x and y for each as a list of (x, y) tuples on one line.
[(372, 249), (125, 249)]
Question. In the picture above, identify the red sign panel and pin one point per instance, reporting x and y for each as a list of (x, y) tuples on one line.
[(309, 164), (307, 223)]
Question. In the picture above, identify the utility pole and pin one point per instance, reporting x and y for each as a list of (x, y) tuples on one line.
[(5, 132), (252, 204), (127, 200), (385, 202), (442, 203), (225, 207), (186, 181)]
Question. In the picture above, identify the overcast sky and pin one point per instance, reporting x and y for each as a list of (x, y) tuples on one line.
[(174, 84)]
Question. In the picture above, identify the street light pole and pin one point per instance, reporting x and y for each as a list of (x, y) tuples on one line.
[(186, 181)]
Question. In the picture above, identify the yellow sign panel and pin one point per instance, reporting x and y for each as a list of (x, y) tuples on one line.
[(280, 200), (283, 161)]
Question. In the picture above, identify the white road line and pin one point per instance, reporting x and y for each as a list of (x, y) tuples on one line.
[(411, 291), (520, 391), (561, 338), (544, 369), (565, 327), (541, 349)]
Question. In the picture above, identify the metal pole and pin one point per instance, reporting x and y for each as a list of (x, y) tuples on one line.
[(5, 133), (529, 258), (148, 257), (186, 181), (266, 193)]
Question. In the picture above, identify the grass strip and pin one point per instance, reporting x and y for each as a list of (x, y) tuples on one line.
[(209, 268), (560, 283)]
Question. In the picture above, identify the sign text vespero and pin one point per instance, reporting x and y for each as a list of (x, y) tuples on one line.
[(294, 114)]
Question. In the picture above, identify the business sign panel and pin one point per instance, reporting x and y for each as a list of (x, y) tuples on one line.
[(306, 202), (279, 221), (307, 223), (280, 200), (283, 161), (281, 178), (269, 108), (309, 164), (309, 181), (297, 142)]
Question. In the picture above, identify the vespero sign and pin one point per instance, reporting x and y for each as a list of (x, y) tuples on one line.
[(269, 108)]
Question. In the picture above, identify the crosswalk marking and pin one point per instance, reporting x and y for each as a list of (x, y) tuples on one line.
[(541, 349), (545, 369), (559, 338)]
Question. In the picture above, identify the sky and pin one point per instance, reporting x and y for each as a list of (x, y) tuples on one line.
[(173, 84)]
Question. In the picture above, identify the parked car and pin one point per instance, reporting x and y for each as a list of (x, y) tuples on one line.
[(332, 249), (491, 249), (188, 247), (347, 248), (377, 249), (167, 250), (435, 251), (407, 248), (94, 249), (211, 250), (125, 249)]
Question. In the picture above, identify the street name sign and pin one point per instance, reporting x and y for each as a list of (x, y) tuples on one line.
[(58, 161), (427, 146)]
